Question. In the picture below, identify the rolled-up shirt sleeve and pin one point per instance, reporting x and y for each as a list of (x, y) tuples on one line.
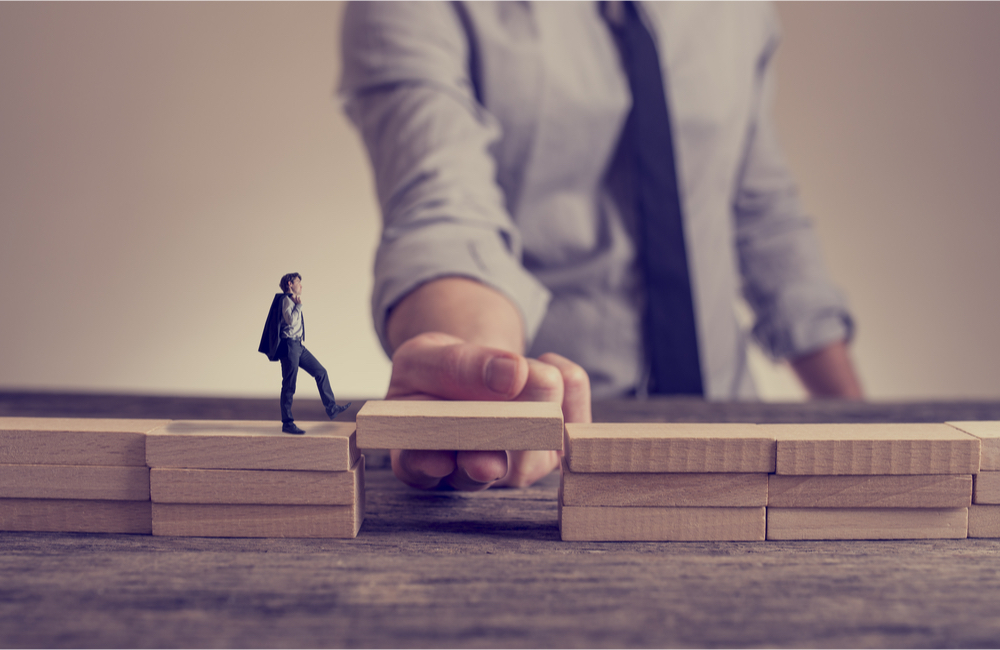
[(798, 309), (406, 85)]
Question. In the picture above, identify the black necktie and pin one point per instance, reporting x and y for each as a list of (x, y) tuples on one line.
[(671, 338)]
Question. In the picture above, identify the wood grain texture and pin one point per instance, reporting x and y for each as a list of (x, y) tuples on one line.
[(988, 431), (678, 490), (232, 444), (839, 449), (75, 516), (984, 521), (676, 447), (460, 425), (74, 482), (74, 441), (986, 489), (614, 524), (214, 520), (923, 491), (258, 486), (866, 523), (472, 570)]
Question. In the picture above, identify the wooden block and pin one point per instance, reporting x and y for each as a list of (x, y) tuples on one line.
[(232, 444), (989, 433), (660, 448), (215, 520), (75, 516), (984, 521), (923, 491), (257, 486), (74, 482), (678, 490), (74, 441), (987, 488), (866, 523), (837, 449), (457, 425), (617, 524)]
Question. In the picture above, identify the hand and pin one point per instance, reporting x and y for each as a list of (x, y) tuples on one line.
[(297, 298), (440, 366)]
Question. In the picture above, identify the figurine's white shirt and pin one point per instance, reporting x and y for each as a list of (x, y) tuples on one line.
[(291, 313)]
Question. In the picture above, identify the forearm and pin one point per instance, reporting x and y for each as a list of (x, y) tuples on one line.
[(829, 373), (461, 307)]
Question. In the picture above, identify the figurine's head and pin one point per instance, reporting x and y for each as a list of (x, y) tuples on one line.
[(287, 280)]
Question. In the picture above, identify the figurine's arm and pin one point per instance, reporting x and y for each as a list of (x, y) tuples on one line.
[(291, 310)]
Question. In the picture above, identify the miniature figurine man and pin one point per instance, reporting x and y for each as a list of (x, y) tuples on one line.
[(284, 332)]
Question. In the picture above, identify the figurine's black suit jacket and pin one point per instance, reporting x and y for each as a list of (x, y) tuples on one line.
[(270, 340)]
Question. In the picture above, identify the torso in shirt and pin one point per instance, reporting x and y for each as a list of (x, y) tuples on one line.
[(291, 314), (551, 75)]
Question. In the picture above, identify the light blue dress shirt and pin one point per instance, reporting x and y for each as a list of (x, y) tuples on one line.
[(493, 130)]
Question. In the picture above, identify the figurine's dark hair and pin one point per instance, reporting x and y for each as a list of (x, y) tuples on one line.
[(286, 278)]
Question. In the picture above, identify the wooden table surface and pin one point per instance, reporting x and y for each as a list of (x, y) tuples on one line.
[(445, 569)]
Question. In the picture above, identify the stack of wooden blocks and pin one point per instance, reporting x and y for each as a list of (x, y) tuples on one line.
[(620, 482), (75, 475), (247, 479), (713, 482), (984, 513), (871, 481), (665, 482)]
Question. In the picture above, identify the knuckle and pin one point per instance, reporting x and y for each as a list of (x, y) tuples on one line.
[(575, 376), (453, 360), (548, 377)]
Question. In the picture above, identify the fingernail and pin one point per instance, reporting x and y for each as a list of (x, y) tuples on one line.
[(500, 375)]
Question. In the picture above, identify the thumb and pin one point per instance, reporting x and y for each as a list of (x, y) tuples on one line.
[(442, 366)]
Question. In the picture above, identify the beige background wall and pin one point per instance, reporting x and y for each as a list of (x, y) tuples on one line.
[(161, 165)]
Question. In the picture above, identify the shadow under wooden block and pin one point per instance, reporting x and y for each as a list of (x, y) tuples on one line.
[(662, 490), (984, 521), (75, 516), (234, 444), (264, 486), (989, 433), (460, 425), (74, 482), (903, 491), (645, 524), (866, 523), (75, 441), (987, 488), (838, 449), (662, 448)]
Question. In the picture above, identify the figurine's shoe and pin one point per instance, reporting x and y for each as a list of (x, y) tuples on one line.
[(337, 410), (291, 428)]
